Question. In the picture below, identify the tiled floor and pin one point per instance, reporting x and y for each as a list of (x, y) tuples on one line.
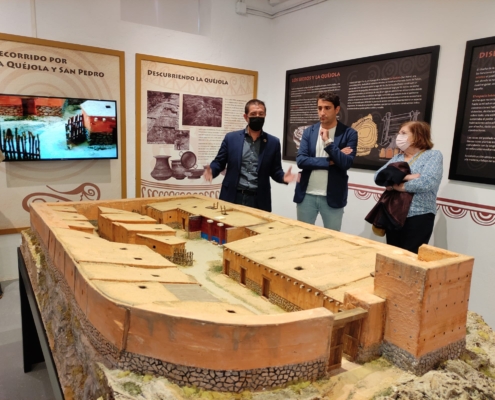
[(14, 383)]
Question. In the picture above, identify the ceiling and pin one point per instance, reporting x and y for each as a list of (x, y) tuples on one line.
[(273, 8)]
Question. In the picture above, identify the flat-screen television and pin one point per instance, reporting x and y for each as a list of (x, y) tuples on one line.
[(57, 128)]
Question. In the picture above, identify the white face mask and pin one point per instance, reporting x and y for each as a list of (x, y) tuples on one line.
[(402, 142)]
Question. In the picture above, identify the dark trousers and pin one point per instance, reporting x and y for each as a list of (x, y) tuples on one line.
[(416, 231), (246, 198)]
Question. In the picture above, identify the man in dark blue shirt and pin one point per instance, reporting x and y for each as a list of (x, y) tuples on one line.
[(251, 156)]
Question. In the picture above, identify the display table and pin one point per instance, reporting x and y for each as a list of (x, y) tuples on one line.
[(35, 346)]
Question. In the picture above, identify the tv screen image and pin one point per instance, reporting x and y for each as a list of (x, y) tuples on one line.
[(55, 128)]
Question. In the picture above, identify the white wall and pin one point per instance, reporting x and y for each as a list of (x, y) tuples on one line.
[(329, 32), (8, 256), (15, 18)]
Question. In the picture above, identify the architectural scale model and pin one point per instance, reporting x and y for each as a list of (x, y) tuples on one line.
[(110, 292)]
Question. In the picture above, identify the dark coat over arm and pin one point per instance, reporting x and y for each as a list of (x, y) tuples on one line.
[(390, 212)]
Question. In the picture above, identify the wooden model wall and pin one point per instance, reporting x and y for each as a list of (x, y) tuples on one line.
[(242, 345), (401, 304)]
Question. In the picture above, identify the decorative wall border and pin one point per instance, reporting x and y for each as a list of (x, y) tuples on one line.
[(85, 191), (481, 214), (155, 189)]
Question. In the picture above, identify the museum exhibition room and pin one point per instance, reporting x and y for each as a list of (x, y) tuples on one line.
[(247, 199)]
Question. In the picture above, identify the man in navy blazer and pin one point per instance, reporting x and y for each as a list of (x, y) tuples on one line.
[(251, 156), (325, 154)]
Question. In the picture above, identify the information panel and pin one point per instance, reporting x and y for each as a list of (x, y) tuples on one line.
[(184, 110), (62, 125), (473, 150), (377, 94)]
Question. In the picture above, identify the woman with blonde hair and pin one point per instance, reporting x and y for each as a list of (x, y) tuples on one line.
[(426, 166)]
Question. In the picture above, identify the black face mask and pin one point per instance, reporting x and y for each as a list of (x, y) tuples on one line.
[(256, 123)]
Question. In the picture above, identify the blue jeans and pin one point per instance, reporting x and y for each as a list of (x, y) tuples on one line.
[(308, 210)]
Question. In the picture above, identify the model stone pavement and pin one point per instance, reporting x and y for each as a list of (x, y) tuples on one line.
[(109, 292)]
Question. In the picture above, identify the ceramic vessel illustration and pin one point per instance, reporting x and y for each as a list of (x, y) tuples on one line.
[(188, 159), (194, 173), (162, 170), (178, 169)]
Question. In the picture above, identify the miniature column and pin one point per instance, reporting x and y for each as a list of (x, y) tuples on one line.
[(209, 228), (221, 233)]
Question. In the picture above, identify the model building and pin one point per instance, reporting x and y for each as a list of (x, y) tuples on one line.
[(113, 276)]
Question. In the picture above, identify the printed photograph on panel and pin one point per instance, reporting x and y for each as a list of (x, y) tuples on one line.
[(57, 128), (202, 111), (163, 117), (181, 140)]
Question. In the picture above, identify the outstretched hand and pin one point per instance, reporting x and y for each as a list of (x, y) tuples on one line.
[(208, 175), (289, 176)]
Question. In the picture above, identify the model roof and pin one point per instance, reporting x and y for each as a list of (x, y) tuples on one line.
[(99, 108), (204, 208)]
